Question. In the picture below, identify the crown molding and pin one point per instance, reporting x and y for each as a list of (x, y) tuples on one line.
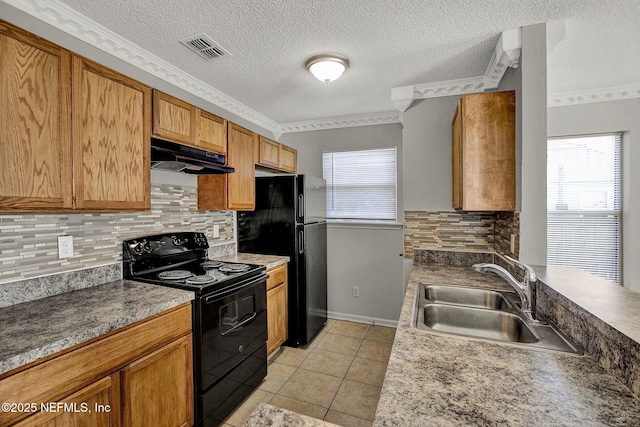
[(385, 118), (79, 26), (506, 54), (595, 95)]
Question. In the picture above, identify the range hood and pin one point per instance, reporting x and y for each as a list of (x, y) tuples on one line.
[(173, 157)]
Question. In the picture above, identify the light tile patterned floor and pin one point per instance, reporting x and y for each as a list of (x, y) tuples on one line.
[(337, 377)]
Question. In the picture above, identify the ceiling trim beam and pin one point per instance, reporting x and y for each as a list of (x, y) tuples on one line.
[(506, 54), (384, 118), (595, 95)]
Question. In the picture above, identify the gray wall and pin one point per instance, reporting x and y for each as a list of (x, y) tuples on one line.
[(603, 117), (533, 190), (427, 149), (365, 256)]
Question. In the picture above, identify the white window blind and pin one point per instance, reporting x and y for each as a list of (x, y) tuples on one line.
[(361, 185), (584, 204)]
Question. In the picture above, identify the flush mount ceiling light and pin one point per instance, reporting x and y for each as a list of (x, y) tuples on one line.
[(327, 67)]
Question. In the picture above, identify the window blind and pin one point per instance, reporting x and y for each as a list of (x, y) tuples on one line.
[(361, 185), (584, 204)]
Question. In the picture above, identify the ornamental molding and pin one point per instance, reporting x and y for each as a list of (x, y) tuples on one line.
[(595, 95), (506, 54), (79, 26), (343, 122)]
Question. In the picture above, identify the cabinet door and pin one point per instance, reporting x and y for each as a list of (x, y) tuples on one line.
[(487, 152), (288, 159), (111, 139), (276, 317), (174, 119), (35, 120), (158, 389), (97, 405), (269, 153), (241, 184), (212, 133)]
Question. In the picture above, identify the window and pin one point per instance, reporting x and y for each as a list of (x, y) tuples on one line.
[(584, 209), (361, 185)]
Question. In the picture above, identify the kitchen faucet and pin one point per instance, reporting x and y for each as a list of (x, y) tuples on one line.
[(525, 289)]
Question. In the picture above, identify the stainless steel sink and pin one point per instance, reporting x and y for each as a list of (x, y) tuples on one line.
[(491, 315), (468, 297), (477, 322)]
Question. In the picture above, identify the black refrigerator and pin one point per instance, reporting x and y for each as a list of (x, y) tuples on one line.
[(290, 219)]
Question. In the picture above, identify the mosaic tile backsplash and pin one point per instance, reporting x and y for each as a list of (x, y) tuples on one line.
[(460, 232), (29, 243)]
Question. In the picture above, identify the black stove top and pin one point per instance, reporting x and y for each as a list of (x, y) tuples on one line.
[(179, 260)]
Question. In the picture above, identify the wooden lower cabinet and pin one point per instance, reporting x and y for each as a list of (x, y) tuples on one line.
[(157, 389), (139, 375), (97, 405), (277, 309)]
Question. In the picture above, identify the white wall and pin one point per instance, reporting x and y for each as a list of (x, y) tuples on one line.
[(603, 117), (365, 256)]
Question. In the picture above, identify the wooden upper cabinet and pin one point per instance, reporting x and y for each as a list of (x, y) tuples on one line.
[(275, 156), (288, 159), (241, 184), (35, 120), (234, 191), (269, 153), (111, 139), (212, 133), (484, 152), (173, 119)]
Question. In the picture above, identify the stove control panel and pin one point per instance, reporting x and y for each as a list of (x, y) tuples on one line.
[(164, 244)]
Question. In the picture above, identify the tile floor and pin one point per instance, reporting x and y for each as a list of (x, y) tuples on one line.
[(337, 377)]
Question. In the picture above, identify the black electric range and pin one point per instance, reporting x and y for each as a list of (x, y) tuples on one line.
[(229, 315)]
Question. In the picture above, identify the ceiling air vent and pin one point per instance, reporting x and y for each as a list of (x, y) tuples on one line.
[(204, 46)]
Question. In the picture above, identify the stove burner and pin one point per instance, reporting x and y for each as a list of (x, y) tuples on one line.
[(200, 280), (234, 268), (174, 274), (211, 264)]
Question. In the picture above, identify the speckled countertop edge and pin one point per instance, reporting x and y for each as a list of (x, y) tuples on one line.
[(442, 381), (40, 328), (268, 415), (269, 261)]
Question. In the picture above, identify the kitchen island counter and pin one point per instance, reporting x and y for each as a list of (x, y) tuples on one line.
[(443, 381), (33, 330)]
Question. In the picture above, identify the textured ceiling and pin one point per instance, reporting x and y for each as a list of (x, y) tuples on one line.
[(389, 44)]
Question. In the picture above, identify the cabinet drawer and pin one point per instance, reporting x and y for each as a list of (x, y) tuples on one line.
[(277, 276)]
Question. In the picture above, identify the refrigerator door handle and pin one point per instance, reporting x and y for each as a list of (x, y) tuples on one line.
[(300, 207), (300, 242)]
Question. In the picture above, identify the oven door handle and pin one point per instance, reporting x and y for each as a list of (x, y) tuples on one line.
[(240, 286), (244, 322)]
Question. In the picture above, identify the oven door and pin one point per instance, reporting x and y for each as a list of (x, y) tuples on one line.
[(233, 326)]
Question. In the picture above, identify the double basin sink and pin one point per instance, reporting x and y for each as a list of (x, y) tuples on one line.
[(491, 315)]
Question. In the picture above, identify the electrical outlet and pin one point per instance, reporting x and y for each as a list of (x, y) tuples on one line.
[(65, 246), (513, 243), (356, 292), (216, 231)]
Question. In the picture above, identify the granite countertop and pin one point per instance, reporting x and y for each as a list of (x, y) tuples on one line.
[(269, 261), (268, 415), (443, 381), (40, 328)]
